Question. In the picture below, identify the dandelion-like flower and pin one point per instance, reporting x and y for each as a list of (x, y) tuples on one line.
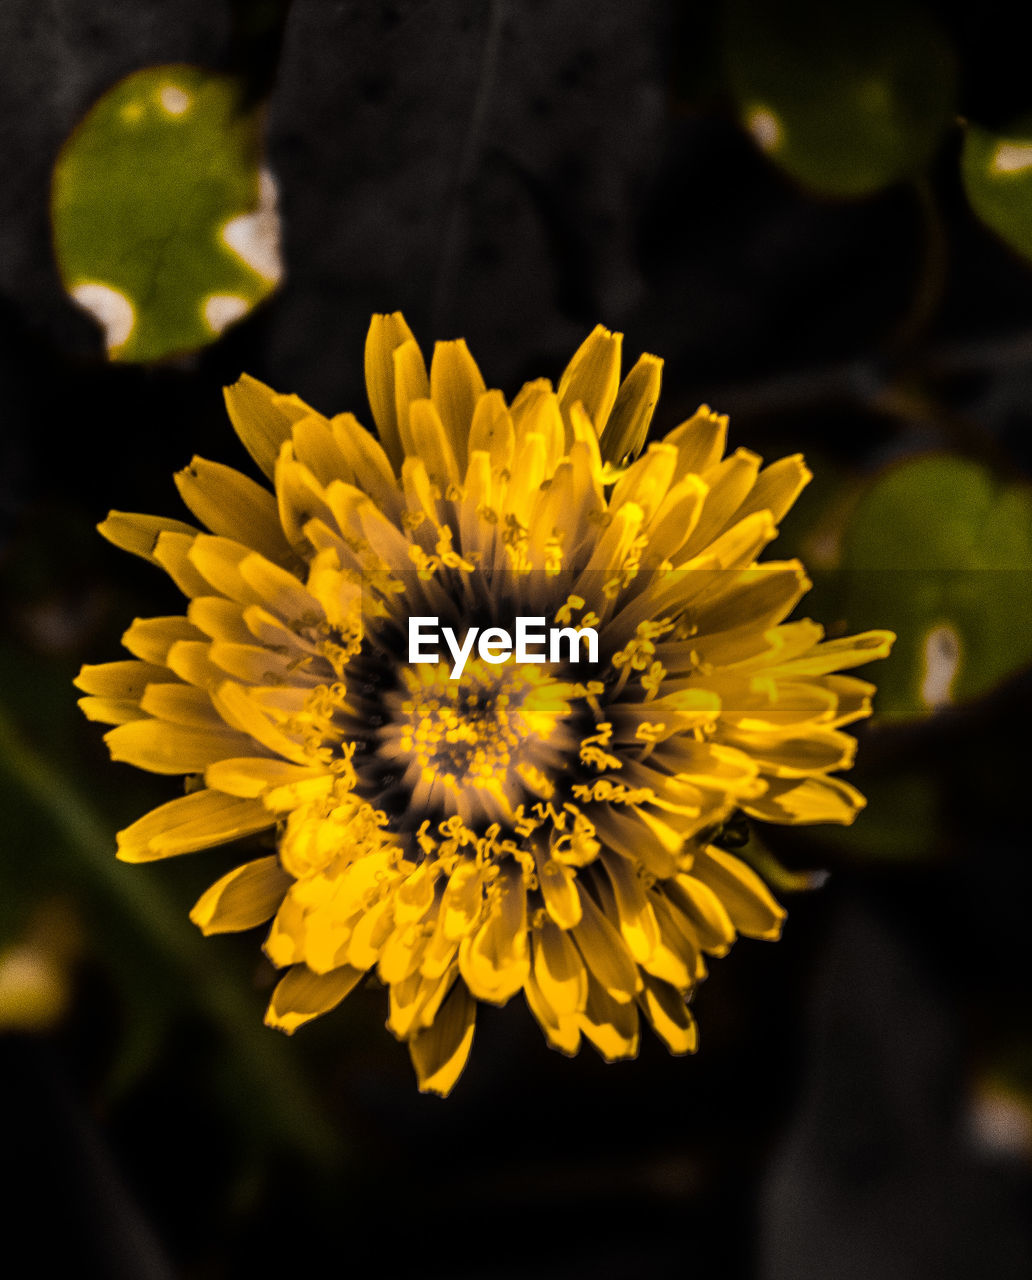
[(551, 826)]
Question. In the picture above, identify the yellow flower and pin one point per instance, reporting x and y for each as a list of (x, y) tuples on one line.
[(542, 827)]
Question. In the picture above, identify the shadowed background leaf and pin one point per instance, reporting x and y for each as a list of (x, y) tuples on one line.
[(846, 98)]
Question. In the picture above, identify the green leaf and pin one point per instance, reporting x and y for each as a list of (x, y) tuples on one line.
[(941, 553), (845, 98), (163, 225), (997, 173)]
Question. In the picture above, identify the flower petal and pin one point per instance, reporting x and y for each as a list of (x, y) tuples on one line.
[(232, 505), (752, 907), (245, 897), (125, 679), (151, 638), (440, 1052), (386, 334), (592, 378), (199, 820), (160, 747), (261, 418), (302, 995), (627, 424), (139, 534), (669, 1016), (456, 386)]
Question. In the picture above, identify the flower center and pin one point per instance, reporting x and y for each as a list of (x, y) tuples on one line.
[(480, 745)]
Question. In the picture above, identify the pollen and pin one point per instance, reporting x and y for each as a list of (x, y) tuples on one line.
[(479, 745)]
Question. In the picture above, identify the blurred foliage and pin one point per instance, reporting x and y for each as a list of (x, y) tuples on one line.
[(997, 173), (57, 842), (939, 551), (155, 198), (846, 98)]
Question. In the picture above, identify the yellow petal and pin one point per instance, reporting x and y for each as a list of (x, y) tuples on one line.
[(139, 533), (371, 466), (173, 748), (151, 638), (219, 619), (561, 1030), (834, 655), (261, 419), (593, 376), (301, 499), (243, 898), (813, 750), (637, 921), (729, 485), (558, 884), (669, 1016), (427, 438), (813, 800), (777, 487), (456, 386), (605, 952), (410, 383), (111, 710), (535, 411), (199, 820), (181, 704), (126, 679), (253, 776), (628, 422), (750, 904), (673, 523), (700, 441), (440, 1052), (492, 431), (172, 552), (232, 505), (495, 960), (611, 1026), (647, 481), (558, 969), (386, 334), (302, 995), (766, 591), (191, 661), (705, 910), (238, 709), (315, 447)]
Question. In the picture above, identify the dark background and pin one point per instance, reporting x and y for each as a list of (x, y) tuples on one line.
[(513, 173)]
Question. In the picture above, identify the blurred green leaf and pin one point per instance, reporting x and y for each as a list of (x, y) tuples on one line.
[(845, 98), (997, 174), (56, 842), (941, 553), (164, 227)]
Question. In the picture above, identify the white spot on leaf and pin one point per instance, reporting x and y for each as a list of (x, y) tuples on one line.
[(255, 237), (221, 309), (1012, 157), (941, 662), (111, 308), (174, 100), (1000, 1124), (765, 127)]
